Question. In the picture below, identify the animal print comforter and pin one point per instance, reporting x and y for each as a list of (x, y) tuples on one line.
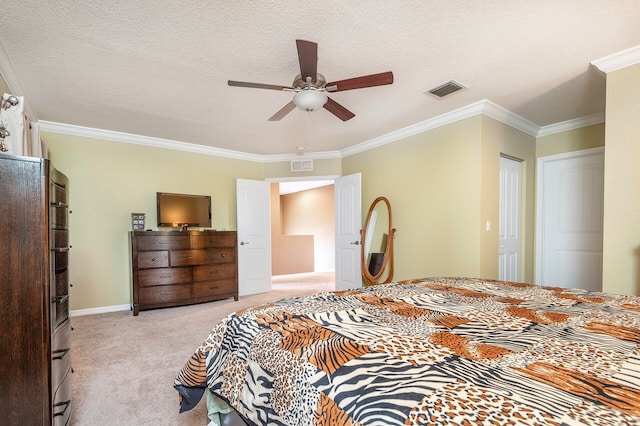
[(444, 351)]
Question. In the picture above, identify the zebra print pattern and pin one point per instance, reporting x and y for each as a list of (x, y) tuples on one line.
[(437, 351)]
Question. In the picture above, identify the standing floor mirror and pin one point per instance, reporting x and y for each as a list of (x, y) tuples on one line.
[(377, 244)]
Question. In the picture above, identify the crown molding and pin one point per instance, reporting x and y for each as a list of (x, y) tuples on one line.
[(564, 126), (89, 132), (325, 155), (485, 107), (509, 118), (414, 129), (73, 130), (618, 60)]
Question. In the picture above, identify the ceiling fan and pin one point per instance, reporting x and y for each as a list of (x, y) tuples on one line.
[(311, 87)]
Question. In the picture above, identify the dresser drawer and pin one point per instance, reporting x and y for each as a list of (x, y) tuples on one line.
[(190, 257), (214, 272), (153, 259), (58, 216), (62, 283), (213, 240), (214, 288), (61, 260), (223, 255), (62, 402), (60, 309), (164, 293), (163, 276), (60, 354), (60, 238), (163, 242), (59, 195)]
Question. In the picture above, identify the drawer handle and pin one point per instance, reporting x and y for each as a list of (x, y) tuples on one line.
[(60, 404), (59, 299), (153, 259), (60, 353), (223, 255), (191, 257)]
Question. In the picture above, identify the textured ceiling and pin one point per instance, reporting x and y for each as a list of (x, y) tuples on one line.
[(160, 68)]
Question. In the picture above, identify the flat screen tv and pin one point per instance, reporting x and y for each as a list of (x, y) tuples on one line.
[(183, 210)]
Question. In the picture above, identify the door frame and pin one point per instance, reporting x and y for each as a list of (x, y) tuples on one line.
[(540, 200)]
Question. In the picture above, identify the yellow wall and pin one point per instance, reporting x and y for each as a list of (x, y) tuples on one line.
[(109, 181), (443, 185), (621, 232), (571, 140), (432, 181), (499, 139)]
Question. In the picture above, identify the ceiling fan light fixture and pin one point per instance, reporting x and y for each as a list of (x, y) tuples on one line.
[(310, 99)]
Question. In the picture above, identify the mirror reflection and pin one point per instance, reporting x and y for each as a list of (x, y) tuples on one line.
[(377, 244)]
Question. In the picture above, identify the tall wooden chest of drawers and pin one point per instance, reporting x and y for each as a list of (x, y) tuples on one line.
[(35, 360), (174, 268)]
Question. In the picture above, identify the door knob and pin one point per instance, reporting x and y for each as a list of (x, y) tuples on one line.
[(242, 243), (355, 243)]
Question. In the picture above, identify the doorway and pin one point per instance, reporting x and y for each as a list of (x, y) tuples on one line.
[(255, 218), (303, 234)]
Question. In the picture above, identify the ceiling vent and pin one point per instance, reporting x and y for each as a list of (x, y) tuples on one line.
[(446, 89), (302, 165)]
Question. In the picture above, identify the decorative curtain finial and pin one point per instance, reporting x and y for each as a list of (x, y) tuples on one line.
[(9, 102), (3, 134)]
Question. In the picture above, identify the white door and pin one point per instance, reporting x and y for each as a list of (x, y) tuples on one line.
[(509, 227), (254, 236), (570, 212), (348, 222)]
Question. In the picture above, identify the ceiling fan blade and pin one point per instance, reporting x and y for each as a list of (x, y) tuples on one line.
[(283, 111), (258, 85), (360, 82), (308, 58), (338, 110)]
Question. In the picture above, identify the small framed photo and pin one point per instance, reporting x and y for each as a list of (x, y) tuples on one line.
[(137, 221)]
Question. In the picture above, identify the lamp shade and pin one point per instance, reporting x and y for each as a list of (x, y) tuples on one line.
[(310, 99)]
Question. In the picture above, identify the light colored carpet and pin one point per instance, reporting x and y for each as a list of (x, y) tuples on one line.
[(124, 366)]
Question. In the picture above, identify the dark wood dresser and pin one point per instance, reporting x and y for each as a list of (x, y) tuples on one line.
[(174, 268), (35, 361)]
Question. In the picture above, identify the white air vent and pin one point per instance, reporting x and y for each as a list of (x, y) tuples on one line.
[(302, 165), (446, 89)]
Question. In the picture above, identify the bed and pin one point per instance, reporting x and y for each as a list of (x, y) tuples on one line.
[(427, 351)]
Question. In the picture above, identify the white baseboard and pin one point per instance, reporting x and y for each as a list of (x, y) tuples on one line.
[(102, 310)]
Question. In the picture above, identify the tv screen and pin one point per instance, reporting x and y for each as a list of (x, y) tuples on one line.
[(183, 210)]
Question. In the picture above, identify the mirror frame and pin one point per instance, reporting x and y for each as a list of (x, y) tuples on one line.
[(388, 253)]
